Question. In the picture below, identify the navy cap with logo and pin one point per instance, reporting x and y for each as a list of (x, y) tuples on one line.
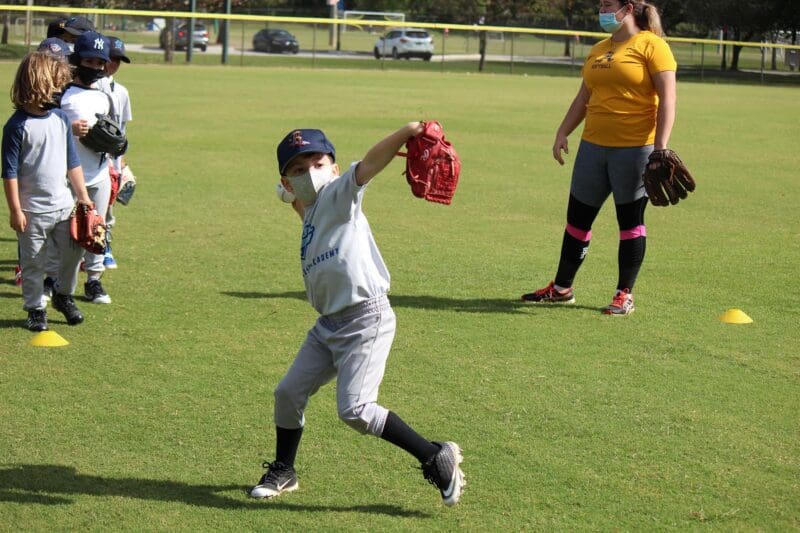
[(55, 48), (92, 44), (56, 27), (118, 49), (78, 25), (301, 142)]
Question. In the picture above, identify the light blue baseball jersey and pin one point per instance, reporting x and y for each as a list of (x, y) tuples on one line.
[(341, 263), (37, 151)]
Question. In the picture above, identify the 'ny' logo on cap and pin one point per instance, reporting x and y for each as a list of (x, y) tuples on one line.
[(297, 139), (98, 44)]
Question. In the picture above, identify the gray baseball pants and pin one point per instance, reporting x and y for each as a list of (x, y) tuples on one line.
[(99, 194), (351, 346), (47, 234)]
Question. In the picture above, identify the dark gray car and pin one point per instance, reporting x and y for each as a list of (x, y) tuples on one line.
[(181, 37), (275, 40)]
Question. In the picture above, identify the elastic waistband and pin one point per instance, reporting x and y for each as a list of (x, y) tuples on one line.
[(375, 304)]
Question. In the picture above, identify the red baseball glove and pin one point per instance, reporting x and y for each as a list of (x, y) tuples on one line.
[(88, 228), (116, 181), (432, 165)]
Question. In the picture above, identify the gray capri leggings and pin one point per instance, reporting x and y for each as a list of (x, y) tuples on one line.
[(603, 170)]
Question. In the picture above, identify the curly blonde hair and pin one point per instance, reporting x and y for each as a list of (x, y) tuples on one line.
[(38, 77)]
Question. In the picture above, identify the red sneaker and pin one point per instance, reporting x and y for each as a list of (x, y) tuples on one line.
[(621, 304), (549, 295)]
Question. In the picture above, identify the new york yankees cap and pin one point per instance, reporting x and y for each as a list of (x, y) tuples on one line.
[(92, 44), (303, 141)]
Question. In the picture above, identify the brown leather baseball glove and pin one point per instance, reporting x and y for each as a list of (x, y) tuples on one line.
[(666, 178), (88, 228)]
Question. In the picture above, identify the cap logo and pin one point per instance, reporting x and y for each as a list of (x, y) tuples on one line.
[(54, 47), (98, 44), (297, 139)]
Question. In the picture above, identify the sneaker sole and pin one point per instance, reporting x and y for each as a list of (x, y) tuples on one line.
[(269, 493), (609, 312), (549, 302), (460, 480), (100, 300)]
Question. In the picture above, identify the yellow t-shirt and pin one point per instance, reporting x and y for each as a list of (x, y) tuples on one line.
[(623, 101)]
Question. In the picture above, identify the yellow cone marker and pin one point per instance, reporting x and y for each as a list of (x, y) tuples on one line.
[(735, 316), (48, 339)]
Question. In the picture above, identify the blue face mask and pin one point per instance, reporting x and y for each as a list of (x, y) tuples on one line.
[(609, 22)]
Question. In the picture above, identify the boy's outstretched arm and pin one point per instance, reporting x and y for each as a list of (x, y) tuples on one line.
[(382, 153)]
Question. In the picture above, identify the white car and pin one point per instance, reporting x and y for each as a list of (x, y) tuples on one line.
[(405, 42)]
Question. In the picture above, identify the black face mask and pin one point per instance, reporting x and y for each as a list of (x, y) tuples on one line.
[(89, 75)]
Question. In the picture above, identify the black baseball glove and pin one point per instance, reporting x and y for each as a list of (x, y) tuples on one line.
[(106, 137)]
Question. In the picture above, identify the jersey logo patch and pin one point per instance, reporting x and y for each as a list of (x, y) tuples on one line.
[(308, 235), (604, 61)]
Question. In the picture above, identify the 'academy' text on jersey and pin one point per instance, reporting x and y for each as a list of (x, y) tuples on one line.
[(333, 252)]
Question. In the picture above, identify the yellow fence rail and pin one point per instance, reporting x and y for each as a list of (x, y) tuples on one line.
[(351, 22)]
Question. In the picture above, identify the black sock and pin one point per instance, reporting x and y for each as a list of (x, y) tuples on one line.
[(631, 256), (400, 434), (286, 444), (572, 253)]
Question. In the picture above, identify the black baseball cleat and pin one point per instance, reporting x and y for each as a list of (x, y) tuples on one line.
[(278, 478), (94, 292), (442, 470), (49, 287), (37, 320), (66, 305)]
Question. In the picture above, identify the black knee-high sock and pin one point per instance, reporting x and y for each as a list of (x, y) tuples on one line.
[(632, 243), (573, 252), (631, 257), (580, 218), (400, 434), (286, 443)]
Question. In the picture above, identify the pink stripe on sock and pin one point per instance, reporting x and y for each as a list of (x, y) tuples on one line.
[(579, 234), (628, 234)]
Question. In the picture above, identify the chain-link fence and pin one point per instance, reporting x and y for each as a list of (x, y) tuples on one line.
[(371, 44)]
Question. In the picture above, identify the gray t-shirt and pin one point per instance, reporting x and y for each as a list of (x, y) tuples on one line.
[(37, 152), (340, 261)]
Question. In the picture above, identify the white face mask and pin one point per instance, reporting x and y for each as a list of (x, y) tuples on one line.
[(306, 186)]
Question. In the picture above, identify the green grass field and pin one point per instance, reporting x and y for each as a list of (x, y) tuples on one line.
[(158, 413)]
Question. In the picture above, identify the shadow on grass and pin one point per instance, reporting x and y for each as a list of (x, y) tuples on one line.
[(468, 305), (53, 484)]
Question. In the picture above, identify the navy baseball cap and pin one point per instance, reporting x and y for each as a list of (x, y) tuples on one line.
[(92, 44), (302, 142), (55, 48), (56, 27), (118, 49), (78, 25)]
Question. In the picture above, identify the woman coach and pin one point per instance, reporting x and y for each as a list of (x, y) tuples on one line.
[(627, 99)]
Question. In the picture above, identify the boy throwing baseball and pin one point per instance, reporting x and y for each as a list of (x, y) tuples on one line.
[(347, 283)]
